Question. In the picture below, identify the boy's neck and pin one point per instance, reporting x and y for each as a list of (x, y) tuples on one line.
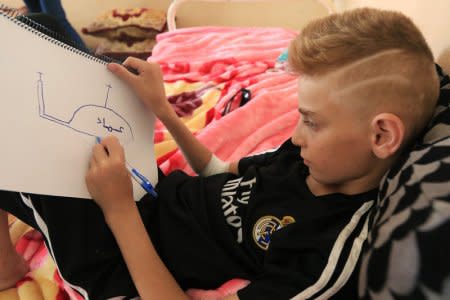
[(350, 188), (367, 182)]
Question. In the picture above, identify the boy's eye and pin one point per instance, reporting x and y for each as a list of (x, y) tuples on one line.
[(309, 123)]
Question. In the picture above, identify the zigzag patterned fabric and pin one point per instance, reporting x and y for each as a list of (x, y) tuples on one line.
[(406, 255)]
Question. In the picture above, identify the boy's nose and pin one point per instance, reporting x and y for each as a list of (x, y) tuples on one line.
[(298, 138)]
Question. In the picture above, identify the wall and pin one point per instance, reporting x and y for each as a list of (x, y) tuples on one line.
[(287, 13), (432, 17)]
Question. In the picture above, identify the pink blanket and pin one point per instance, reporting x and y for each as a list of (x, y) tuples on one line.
[(204, 69), (230, 59)]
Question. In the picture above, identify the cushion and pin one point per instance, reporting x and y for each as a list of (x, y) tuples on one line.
[(129, 24), (407, 252), (120, 50)]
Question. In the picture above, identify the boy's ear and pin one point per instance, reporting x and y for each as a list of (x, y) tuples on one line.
[(388, 132)]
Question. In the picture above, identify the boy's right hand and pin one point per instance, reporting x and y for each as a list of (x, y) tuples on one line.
[(107, 179), (148, 84)]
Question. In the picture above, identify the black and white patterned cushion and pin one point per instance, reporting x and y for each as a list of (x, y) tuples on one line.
[(407, 252)]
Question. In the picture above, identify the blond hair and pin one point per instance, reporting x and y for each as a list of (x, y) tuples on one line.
[(353, 40)]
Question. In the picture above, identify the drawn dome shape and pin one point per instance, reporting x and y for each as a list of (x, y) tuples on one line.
[(90, 119), (100, 121)]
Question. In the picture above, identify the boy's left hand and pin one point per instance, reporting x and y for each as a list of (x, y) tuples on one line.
[(148, 84), (108, 180)]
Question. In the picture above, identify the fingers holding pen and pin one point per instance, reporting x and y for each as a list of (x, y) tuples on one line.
[(113, 149), (108, 179), (99, 153), (92, 164), (107, 154)]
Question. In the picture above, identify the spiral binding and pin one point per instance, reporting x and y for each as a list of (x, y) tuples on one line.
[(50, 35)]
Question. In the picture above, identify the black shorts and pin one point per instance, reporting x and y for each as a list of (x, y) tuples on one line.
[(187, 230), (78, 239)]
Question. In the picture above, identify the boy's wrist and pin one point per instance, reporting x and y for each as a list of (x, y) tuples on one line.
[(166, 114), (116, 213)]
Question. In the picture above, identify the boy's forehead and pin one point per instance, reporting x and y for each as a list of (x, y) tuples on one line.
[(313, 93), (315, 100), (309, 86)]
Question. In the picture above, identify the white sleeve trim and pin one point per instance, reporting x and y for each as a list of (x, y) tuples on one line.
[(215, 166)]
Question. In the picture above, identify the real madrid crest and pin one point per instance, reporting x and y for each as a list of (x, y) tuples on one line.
[(265, 226)]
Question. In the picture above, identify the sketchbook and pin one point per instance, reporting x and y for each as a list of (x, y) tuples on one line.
[(55, 101)]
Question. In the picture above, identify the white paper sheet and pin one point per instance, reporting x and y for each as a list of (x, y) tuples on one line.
[(54, 101)]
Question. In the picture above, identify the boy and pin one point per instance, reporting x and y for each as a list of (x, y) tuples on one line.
[(285, 220)]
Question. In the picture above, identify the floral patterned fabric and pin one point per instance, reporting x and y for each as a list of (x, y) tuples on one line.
[(406, 255)]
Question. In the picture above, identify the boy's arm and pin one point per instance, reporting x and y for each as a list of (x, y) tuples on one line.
[(195, 152), (109, 184), (231, 297), (233, 168), (149, 274), (149, 88)]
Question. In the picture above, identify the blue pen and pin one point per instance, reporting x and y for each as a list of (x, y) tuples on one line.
[(144, 182)]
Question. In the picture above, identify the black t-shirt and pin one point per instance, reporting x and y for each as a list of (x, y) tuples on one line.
[(263, 225)]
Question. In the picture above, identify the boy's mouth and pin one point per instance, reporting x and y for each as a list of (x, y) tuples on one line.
[(305, 161)]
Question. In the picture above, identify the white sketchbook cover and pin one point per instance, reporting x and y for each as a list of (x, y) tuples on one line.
[(54, 101)]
